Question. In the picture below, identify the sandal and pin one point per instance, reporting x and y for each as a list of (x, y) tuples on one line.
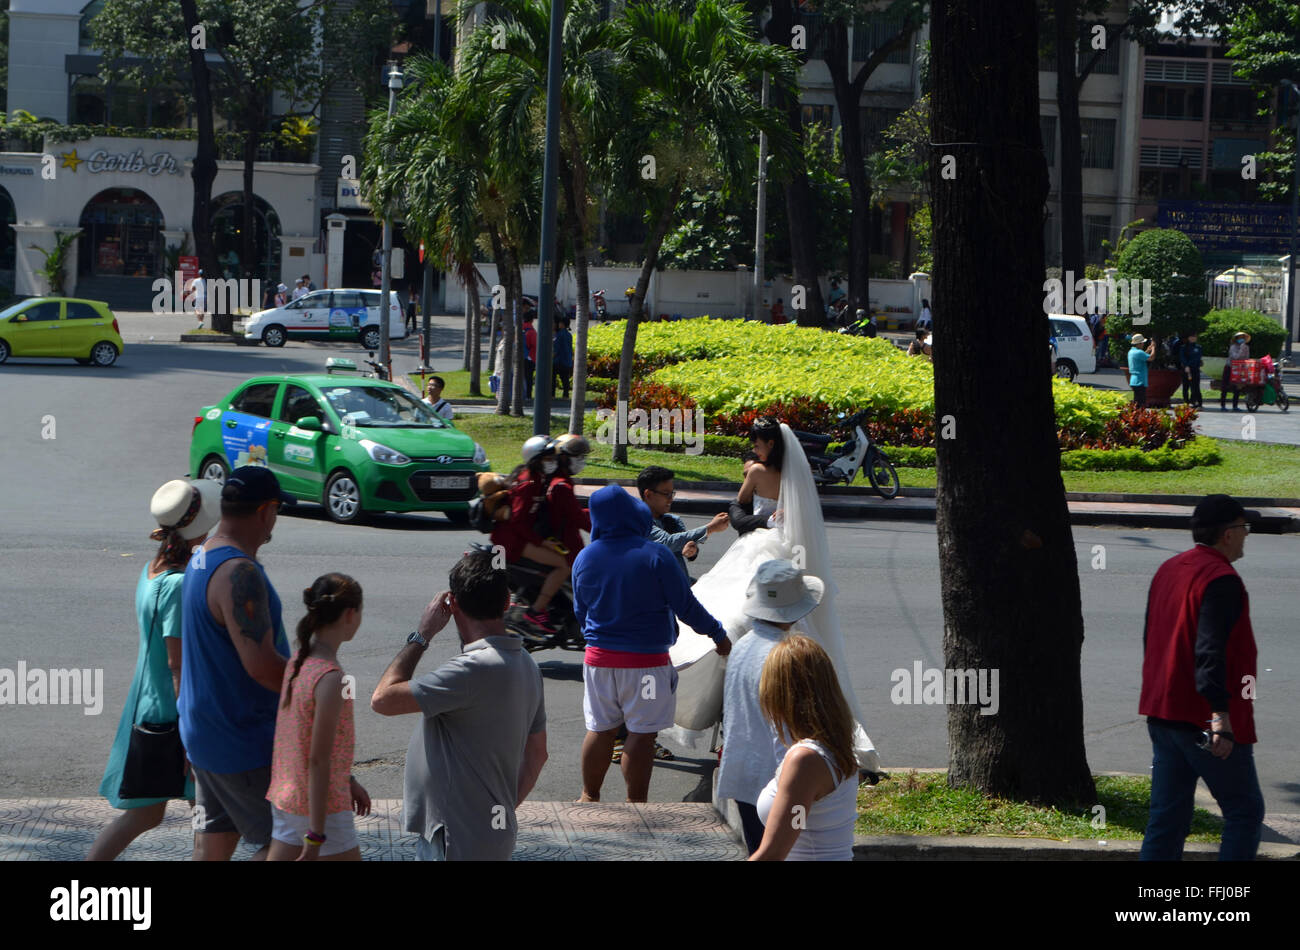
[(662, 754)]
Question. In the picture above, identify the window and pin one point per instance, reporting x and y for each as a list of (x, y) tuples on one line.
[(1065, 328), (298, 403), (256, 400), (869, 34), (1047, 126), (349, 299), (1173, 102), (42, 312), (1096, 228), (83, 311), (88, 13), (370, 298), (875, 121), (1099, 144), (821, 115), (375, 406), (1234, 104)]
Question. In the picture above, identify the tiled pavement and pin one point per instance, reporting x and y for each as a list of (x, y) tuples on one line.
[(62, 830)]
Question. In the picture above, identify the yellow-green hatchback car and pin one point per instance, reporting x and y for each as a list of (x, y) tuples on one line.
[(83, 330)]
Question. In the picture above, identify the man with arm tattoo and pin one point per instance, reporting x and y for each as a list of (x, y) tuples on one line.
[(232, 666)]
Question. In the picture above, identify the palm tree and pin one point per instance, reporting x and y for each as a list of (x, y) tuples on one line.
[(515, 87), (690, 79)]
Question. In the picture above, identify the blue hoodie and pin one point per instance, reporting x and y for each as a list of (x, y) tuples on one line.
[(627, 588)]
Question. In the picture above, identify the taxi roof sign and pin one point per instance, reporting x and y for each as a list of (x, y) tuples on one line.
[(340, 364)]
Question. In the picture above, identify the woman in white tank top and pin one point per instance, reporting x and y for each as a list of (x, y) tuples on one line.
[(810, 805)]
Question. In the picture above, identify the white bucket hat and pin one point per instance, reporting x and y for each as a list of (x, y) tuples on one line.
[(781, 592), (191, 507)]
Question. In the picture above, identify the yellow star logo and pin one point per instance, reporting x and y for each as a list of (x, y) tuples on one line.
[(70, 160)]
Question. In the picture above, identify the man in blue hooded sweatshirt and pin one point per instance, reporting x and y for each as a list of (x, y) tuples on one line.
[(627, 593)]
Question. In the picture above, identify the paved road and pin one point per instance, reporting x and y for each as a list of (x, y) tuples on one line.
[(75, 511)]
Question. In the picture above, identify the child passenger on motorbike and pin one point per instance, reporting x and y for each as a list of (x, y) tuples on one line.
[(568, 518), (519, 536)]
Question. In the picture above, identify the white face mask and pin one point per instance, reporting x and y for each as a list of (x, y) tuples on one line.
[(549, 466), (576, 466)]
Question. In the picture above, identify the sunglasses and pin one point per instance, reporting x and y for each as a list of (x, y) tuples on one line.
[(670, 495)]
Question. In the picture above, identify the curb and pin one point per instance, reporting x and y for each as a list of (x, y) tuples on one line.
[(237, 339)]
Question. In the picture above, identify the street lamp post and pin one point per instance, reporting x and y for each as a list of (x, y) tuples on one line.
[(1289, 322), (542, 385), (385, 280), (760, 226)]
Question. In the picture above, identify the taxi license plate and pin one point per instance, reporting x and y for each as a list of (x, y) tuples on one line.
[(448, 481)]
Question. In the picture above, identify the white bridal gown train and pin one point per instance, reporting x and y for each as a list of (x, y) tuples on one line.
[(796, 527)]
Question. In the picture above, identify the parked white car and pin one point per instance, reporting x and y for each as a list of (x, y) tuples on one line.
[(1074, 346), (338, 314)]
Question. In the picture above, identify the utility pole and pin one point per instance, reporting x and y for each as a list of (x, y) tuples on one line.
[(542, 385), (1289, 322), (385, 350), (760, 229)]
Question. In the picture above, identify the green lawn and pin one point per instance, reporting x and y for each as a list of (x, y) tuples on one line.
[(457, 384), (1252, 469), (1248, 469), (921, 803)]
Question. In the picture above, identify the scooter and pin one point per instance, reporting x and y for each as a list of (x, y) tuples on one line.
[(1270, 392), (525, 578), (378, 370), (858, 453), (601, 311)]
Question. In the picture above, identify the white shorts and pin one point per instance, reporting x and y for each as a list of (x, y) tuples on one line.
[(340, 831), (644, 698)]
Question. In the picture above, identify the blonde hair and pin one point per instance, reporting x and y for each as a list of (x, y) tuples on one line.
[(800, 695)]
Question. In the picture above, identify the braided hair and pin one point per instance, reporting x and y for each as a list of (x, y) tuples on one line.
[(174, 551), (326, 599)]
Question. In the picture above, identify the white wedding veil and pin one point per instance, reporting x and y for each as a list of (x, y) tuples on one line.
[(805, 532)]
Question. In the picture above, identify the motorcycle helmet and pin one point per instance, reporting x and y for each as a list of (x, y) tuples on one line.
[(572, 445), (535, 446)]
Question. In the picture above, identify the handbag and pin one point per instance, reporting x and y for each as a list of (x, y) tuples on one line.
[(155, 758)]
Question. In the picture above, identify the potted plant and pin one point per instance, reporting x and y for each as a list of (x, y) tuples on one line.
[(1175, 307), (53, 268)]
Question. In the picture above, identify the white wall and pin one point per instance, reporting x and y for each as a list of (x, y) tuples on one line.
[(41, 34)]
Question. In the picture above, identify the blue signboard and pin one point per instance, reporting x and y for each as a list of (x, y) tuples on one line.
[(1218, 226)]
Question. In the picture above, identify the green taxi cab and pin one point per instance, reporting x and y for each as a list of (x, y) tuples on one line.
[(354, 444), (82, 330)]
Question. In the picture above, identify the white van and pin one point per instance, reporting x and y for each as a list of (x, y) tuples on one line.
[(1074, 349), (338, 314)]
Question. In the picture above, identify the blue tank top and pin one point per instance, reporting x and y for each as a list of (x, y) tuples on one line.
[(227, 719)]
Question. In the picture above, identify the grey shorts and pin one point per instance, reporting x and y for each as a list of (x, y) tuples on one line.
[(234, 801)]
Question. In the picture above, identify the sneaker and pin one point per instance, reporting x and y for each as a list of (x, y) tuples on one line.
[(540, 621)]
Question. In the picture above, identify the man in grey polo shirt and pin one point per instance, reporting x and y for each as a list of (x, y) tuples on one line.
[(481, 744)]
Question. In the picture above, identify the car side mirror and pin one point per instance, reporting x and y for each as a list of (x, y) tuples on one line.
[(310, 423)]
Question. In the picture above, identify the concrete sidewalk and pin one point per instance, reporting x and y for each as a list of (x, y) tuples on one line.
[(35, 829), (1280, 515)]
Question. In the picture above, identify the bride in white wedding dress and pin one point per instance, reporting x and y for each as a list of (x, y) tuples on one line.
[(795, 532)]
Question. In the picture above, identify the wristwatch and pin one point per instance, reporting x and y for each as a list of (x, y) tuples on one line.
[(416, 638)]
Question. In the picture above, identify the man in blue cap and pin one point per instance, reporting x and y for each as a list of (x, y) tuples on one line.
[(232, 666)]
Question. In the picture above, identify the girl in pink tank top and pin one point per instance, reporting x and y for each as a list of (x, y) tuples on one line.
[(312, 791)]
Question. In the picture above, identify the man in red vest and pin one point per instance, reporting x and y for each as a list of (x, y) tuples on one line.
[(1198, 688)]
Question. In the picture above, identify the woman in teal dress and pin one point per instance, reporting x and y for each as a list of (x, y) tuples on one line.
[(185, 511)]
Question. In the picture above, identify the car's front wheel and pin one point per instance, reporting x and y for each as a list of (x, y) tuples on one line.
[(215, 468), (274, 335), (343, 498), (1066, 370), (103, 353), (4, 351), (370, 338)]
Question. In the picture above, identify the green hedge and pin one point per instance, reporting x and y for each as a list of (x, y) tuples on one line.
[(1266, 334), (1200, 451)]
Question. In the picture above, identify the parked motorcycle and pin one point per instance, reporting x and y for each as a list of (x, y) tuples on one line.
[(600, 310), (858, 453), (525, 579)]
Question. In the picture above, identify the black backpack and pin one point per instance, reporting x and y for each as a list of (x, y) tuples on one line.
[(479, 518)]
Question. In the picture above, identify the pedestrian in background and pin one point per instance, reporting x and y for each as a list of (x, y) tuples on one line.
[(778, 313), (281, 295), (1238, 349), (1139, 353), (530, 354), (1191, 359), (563, 358), (480, 742), (185, 512), (809, 807), (926, 320), (778, 596), (312, 790), (1198, 676)]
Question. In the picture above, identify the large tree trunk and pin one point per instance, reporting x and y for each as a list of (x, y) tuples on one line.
[(204, 172), (573, 178), (1007, 563), (476, 336), (521, 347), (848, 95), (653, 242), (248, 245), (1067, 101), (506, 368), (800, 207)]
